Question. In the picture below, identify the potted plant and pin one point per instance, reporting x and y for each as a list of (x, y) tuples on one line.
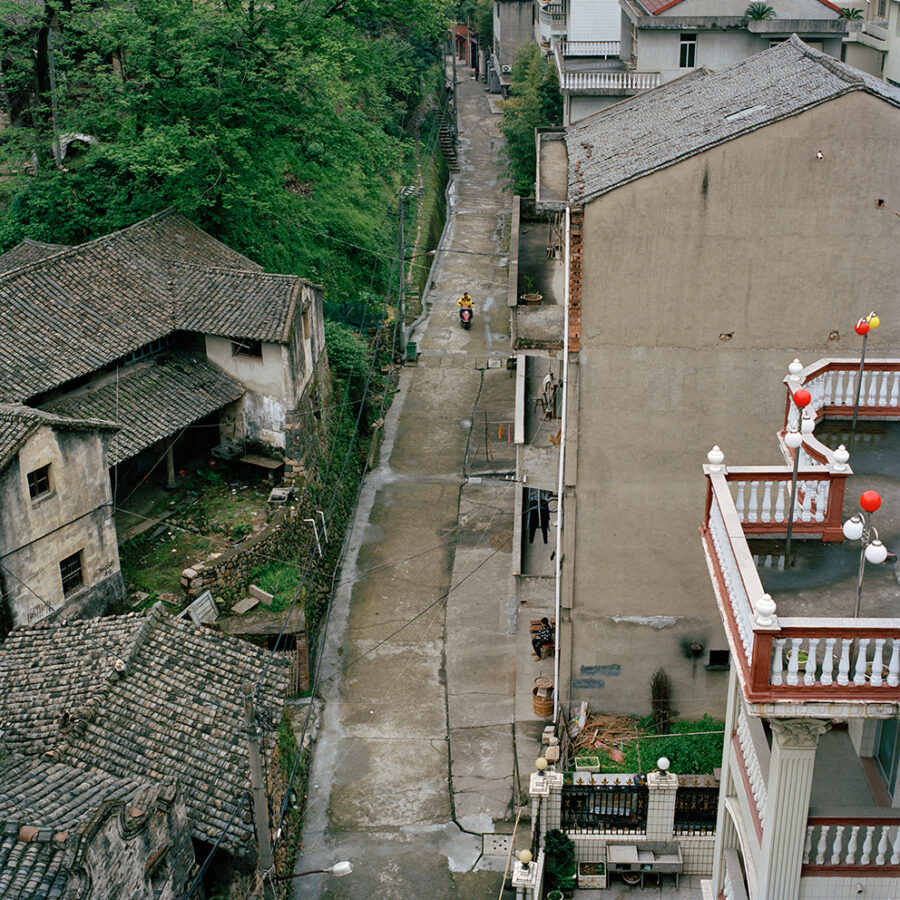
[(560, 868), (587, 763), (591, 875)]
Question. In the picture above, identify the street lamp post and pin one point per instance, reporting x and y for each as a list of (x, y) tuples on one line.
[(859, 528), (863, 327), (794, 439)]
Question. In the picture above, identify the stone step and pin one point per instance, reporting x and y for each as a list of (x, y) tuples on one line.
[(244, 605)]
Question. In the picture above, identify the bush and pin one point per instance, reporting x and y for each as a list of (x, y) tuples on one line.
[(560, 860)]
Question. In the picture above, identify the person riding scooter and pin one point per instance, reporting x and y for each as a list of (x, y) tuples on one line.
[(466, 310)]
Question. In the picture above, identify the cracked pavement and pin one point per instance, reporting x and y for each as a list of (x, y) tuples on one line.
[(416, 754)]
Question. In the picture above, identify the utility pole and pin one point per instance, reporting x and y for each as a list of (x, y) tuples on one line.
[(266, 864), (54, 114)]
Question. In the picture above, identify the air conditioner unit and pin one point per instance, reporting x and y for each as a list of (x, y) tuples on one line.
[(506, 69)]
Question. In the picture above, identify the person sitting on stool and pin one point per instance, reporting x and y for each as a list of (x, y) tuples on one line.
[(543, 637)]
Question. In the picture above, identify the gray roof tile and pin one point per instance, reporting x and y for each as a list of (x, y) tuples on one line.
[(703, 109)]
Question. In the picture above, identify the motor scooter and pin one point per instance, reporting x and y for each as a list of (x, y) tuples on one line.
[(465, 316)]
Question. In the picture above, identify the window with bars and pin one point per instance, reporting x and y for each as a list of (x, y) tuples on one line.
[(39, 482), (688, 56), (71, 574), (247, 347)]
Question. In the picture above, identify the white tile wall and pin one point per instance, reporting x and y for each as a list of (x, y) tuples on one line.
[(594, 20), (697, 850)]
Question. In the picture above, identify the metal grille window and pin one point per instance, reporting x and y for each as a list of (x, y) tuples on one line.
[(696, 809), (72, 576), (688, 58), (39, 482), (601, 809)]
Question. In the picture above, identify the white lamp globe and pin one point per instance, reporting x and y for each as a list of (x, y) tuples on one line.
[(344, 867), (663, 764), (793, 439), (525, 857), (853, 528), (876, 552)]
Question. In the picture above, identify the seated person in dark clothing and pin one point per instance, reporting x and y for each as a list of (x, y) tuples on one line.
[(543, 637)]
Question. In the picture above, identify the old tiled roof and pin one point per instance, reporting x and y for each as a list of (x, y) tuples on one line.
[(71, 313), (264, 314), (152, 399), (27, 252), (691, 114), (142, 697), (44, 807), (18, 421)]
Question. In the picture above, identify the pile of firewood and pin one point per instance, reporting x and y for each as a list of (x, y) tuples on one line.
[(607, 733)]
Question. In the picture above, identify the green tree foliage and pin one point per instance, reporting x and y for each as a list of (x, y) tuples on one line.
[(348, 355), (759, 11), (850, 12), (480, 16), (535, 101), (278, 126)]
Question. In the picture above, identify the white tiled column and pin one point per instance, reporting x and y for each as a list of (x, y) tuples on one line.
[(547, 788), (794, 743), (662, 787)]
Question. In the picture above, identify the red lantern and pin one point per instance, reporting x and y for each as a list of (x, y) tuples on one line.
[(862, 326), (802, 397), (870, 501)]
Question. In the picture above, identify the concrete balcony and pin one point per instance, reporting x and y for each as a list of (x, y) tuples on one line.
[(806, 653), (599, 49), (608, 82)]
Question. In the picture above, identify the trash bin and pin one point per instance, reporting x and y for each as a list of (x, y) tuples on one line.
[(542, 696), (412, 351)]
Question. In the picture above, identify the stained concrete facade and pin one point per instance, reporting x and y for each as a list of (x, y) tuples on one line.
[(73, 517), (701, 282)]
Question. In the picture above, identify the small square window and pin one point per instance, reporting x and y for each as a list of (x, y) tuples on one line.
[(247, 347), (718, 659), (688, 55), (72, 576), (39, 482)]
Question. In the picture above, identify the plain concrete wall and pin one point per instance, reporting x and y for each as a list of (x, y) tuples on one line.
[(755, 237), (513, 26), (593, 20), (75, 516), (892, 58), (583, 106), (862, 57)]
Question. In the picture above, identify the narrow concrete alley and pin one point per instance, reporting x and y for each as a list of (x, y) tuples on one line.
[(416, 757)]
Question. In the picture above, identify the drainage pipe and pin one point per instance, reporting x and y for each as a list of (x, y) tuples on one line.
[(562, 464)]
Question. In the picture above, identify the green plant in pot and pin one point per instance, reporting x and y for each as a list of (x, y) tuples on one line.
[(560, 865)]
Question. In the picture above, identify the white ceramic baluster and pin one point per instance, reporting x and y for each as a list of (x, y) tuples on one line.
[(862, 654), (882, 845), (851, 384), (895, 849), (850, 858), (752, 502), (821, 500), (844, 664), (739, 501), (828, 661), (809, 676), (883, 393), (777, 660), (839, 390), (866, 857), (806, 493), (807, 847), (794, 661), (877, 676), (823, 844), (895, 389), (893, 678), (767, 502), (873, 389), (779, 502), (828, 393), (837, 845)]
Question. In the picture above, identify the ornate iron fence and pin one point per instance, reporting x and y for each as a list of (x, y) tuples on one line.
[(696, 809), (602, 809)]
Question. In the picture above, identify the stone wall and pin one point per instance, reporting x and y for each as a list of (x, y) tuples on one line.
[(306, 427)]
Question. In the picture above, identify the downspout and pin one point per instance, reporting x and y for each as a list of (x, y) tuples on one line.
[(562, 465)]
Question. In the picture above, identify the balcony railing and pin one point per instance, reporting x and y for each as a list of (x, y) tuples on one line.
[(553, 14), (609, 81), (801, 659), (855, 846), (605, 49), (733, 888)]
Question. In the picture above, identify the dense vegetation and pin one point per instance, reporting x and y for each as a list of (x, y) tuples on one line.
[(283, 127), (535, 101)]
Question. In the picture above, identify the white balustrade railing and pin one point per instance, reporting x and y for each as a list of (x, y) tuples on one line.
[(733, 576), (610, 81), (835, 657), (605, 49), (733, 883), (768, 499), (757, 771), (852, 842)]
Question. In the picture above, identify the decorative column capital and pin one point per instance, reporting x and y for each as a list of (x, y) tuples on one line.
[(798, 734)]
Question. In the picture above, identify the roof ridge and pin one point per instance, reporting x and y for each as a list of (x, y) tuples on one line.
[(34, 413), (232, 270), (832, 64)]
